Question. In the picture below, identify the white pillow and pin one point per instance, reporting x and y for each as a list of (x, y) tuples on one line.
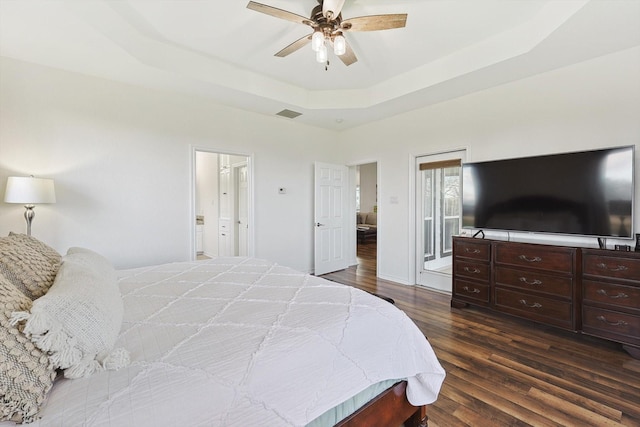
[(77, 322)]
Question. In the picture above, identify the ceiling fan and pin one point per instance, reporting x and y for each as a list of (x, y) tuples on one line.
[(329, 28)]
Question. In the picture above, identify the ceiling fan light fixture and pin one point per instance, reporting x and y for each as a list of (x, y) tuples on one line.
[(321, 54), (339, 45), (328, 26), (317, 40)]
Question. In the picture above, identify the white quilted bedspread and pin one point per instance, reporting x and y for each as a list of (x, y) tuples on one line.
[(244, 342)]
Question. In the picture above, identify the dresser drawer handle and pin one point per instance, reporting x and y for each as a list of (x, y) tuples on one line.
[(526, 258), (472, 251), (620, 294), (474, 291), (534, 305), (618, 323), (471, 270), (604, 266), (531, 282)]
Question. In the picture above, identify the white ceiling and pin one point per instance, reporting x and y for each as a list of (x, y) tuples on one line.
[(222, 50)]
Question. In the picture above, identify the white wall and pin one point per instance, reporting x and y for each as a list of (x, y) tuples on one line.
[(590, 105), (120, 157)]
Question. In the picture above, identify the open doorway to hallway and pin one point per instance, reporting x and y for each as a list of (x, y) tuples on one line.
[(222, 204), (367, 217)]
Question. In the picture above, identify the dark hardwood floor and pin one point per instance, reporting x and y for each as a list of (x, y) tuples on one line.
[(502, 371)]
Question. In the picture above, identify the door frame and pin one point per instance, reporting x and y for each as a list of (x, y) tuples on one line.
[(235, 167), (412, 211), (192, 197)]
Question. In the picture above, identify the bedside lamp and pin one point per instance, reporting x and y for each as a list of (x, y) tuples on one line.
[(29, 191)]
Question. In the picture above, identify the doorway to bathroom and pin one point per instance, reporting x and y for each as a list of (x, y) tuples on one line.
[(222, 204)]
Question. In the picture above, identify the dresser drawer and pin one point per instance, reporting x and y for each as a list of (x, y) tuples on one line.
[(612, 294), (473, 270), (532, 280), (616, 267), (549, 258), (476, 292), (468, 248), (618, 326), (547, 310)]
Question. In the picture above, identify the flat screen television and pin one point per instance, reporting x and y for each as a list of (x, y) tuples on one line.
[(588, 193)]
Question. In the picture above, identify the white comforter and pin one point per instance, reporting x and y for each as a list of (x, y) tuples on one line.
[(244, 342)]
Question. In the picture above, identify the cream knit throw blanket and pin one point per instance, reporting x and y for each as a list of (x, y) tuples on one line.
[(77, 322)]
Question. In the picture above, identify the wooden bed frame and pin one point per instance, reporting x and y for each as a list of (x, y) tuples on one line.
[(389, 408)]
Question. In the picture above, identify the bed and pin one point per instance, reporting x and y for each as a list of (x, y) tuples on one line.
[(244, 341)]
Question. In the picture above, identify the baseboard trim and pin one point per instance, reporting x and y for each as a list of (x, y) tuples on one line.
[(399, 280)]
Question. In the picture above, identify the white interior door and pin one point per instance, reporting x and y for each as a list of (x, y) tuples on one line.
[(242, 221), (331, 188)]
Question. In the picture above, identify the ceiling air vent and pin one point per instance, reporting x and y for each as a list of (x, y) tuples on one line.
[(289, 114)]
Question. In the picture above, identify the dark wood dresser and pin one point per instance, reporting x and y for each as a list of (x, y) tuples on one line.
[(536, 282), (472, 271), (596, 292), (611, 297)]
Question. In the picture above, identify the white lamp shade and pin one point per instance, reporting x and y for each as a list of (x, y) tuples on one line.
[(29, 190)]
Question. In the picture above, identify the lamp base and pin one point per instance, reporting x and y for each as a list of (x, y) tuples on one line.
[(28, 216)]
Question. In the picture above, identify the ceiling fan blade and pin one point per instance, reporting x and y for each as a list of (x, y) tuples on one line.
[(375, 22), (349, 56), (278, 13), (301, 42), (333, 7)]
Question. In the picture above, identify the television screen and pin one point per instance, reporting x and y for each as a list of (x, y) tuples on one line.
[(583, 193)]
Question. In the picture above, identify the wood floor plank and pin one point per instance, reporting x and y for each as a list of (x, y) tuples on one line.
[(574, 411), (519, 406), (505, 371), (530, 381), (616, 398)]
